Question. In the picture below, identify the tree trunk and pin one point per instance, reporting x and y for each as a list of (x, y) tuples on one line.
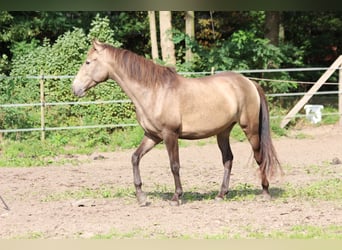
[(272, 23), (166, 43), (190, 31), (153, 34)]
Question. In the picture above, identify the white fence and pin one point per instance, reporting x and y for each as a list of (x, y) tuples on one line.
[(44, 104)]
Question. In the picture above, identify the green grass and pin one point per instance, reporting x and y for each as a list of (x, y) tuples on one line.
[(299, 232), (33, 152), (105, 192), (239, 192), (115, 234), (247, 232), (302, 136), (29, 153), (326, 190), (30, 236), (329, 119)]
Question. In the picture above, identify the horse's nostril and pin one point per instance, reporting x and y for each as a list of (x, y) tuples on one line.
[(73, 89), (79, 92), (76, 90)]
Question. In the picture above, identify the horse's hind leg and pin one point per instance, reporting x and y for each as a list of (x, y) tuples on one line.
[(146, 145), (227, 159)]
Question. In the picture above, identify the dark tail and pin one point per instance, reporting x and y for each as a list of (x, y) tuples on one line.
[(269, 162)]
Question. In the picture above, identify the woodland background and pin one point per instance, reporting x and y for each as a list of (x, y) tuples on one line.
[(33, 43)]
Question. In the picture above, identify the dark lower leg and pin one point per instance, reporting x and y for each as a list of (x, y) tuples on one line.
[(255, 143), (146, 145), (178, 186), (171, 142), (225, 182), (265, 185), (227, 159)]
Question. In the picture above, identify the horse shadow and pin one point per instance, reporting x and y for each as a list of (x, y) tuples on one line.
[(248, 193)]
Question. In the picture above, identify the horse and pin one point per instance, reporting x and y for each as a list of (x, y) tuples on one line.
[(171, 107)]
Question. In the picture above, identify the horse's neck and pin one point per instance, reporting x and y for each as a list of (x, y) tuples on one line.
[(138, 93)]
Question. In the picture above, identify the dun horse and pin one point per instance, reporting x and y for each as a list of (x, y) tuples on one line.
[(170, 107)]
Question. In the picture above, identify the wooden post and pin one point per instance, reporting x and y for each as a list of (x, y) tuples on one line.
[(153, 34), (42, 107), (311, 91), (190, 31), (340, 94)]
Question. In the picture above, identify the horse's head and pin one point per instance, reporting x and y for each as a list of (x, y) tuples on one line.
[(92, 71)]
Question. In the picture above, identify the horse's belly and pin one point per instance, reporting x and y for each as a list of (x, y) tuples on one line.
[(200, 126)]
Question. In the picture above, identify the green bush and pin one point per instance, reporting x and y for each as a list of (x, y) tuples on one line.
[(243, 51), (62, 58)]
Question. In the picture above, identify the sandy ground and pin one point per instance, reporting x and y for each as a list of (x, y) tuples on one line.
[(42, 202)]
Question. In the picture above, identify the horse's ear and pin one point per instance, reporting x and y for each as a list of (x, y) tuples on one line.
[(97, 45)]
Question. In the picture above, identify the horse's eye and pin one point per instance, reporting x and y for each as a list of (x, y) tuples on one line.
[(87, 62)]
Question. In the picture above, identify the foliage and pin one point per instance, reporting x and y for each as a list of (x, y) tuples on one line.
[(59, 59), (242, 51), (132, 30), (100, 29), (55, 43), (324, 29)]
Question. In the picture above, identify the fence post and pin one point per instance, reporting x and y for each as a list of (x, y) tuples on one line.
[(340, 93), (42, 107), (311, 91)]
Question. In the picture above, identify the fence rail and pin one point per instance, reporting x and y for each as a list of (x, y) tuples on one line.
[(192, 73), (43, 104), (14, 105)]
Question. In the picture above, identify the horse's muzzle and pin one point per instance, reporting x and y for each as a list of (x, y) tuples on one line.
[(77, 91)]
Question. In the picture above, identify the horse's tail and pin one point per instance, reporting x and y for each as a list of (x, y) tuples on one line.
[(269, 161)]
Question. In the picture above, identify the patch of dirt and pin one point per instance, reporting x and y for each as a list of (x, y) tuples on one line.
[(26, 210)]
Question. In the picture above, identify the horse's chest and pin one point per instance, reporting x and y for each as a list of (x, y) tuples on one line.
[(147, 120), (158, 118)]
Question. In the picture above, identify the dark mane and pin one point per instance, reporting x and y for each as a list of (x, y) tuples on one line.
[(141, 69)]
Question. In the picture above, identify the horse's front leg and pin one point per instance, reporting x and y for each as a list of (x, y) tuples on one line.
[(146, 145), (171, 142)]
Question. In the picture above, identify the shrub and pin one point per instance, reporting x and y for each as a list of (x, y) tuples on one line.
[(62, 58)]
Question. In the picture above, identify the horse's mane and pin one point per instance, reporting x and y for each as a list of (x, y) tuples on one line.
[(141, 69)]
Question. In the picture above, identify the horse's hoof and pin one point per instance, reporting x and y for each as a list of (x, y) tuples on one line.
[(266, 196), (218, 199), (174, 203), (142, 199)]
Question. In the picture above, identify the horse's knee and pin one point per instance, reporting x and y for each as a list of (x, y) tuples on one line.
[(175, 168)]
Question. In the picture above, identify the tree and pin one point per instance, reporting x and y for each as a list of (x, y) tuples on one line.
[(166, 43), (153, 34), (190, 31), (101, 30), (272, 22), (318, 33)]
